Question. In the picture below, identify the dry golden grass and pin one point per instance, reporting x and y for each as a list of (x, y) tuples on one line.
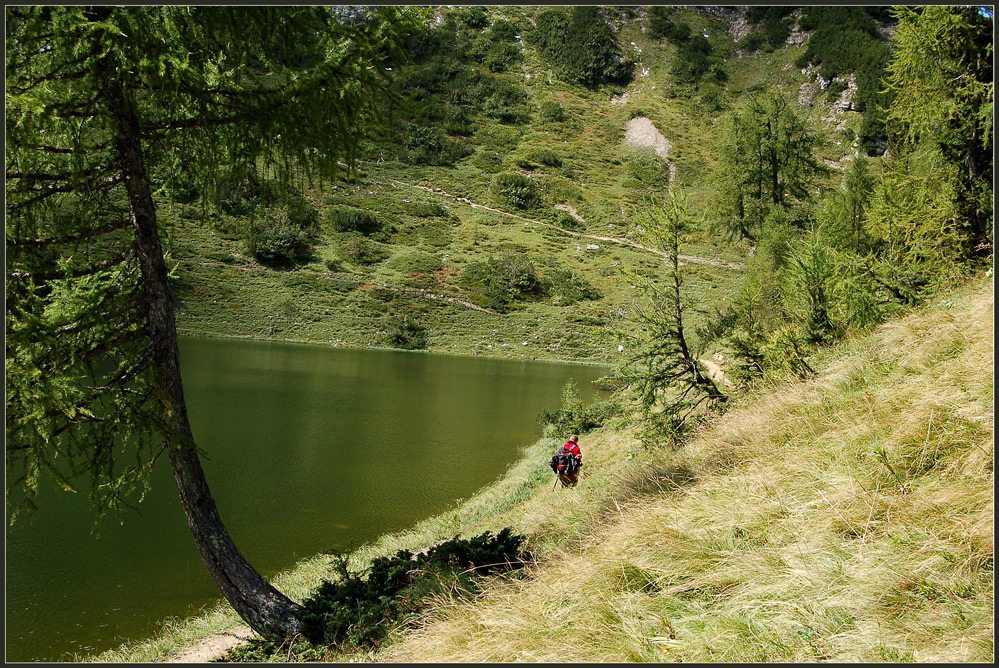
[(847, 518)]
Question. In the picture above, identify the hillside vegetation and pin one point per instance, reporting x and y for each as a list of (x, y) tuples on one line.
[(848, 517), (772, 222)]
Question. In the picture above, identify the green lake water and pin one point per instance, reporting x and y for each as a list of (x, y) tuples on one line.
[(311, 450)]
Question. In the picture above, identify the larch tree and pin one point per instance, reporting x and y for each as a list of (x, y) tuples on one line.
[(941, 72), (665, 369), (95, 95), (770, 150)]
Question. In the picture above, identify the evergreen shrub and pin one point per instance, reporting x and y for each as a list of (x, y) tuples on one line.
[(546, 157), (407, 334), (363, 251), (580, 46), (284, 233), (430, 146), (661, 24), (565, 287), (344, 219), (501, 281), (501, 56), (553, 111), (360, 609), (515, 189)]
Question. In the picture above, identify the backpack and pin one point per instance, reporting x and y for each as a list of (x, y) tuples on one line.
[(564, 461)]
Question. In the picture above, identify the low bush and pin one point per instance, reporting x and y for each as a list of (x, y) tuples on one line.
[(501, 56), (344, 219), (501, 281), (429, 210), (279, 245), (547, 157), (573, 417), (516, 189), (283, 234), (661, 24), (360, 609), (363, 251), (775, 24), (565, 287), (407, 334), (506, 102), (431, 146), (553, 111)]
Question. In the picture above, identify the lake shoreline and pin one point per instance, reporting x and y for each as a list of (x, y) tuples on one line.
[(306, 342), (208, 634)]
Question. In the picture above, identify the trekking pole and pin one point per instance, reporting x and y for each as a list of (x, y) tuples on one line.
[(556, 483)]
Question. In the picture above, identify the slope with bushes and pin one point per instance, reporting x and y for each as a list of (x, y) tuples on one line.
[(848, 517), (840, 509), (497, 120)]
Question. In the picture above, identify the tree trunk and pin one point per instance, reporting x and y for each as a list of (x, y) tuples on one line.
[(268, 612)]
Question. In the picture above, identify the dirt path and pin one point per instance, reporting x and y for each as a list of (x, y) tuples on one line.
[(213, 646), (695, 259)]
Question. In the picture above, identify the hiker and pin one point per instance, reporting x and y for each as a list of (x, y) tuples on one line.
[(567, 462)]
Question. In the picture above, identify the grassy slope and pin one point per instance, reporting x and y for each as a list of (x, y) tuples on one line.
[(734, 549), (778, 534), (224, 293)]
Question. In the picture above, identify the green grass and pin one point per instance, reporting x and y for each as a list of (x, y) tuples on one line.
[(814, 523)]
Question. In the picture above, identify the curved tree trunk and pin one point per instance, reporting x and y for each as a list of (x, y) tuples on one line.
[(268, 612)]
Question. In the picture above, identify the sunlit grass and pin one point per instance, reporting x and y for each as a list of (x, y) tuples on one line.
[(795, 543)]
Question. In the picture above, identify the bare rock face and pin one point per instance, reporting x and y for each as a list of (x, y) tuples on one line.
[(641, 133)]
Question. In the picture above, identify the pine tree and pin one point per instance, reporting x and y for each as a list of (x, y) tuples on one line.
[(665, 370), (95, 97), (941, 73)]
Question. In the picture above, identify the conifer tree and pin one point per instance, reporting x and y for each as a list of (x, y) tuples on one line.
[(95, 95), (665, 369), (941, 71), (770, 150)]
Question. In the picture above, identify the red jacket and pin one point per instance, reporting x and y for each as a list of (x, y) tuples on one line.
[(573, 448)]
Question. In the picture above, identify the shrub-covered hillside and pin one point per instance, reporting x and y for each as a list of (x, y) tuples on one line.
[(501, 209)]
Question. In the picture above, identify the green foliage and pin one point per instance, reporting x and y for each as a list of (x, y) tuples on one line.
[(695, 59), (94, 392), (942, 74), (240, 191), (547, 157), (515, 189), (283, 234), (580, 46), (501, 281), (574, 417), (473, 17), (360, 250), (407, 333), (505, 101), (429, 210), (661, 24), (776, 28), (177, 182), (502, 55), (834, 90), (770, 153), (664, 369), (565, 287), (553, 111), (346, 219), (431, 146), (360, 609), (848, 40)]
